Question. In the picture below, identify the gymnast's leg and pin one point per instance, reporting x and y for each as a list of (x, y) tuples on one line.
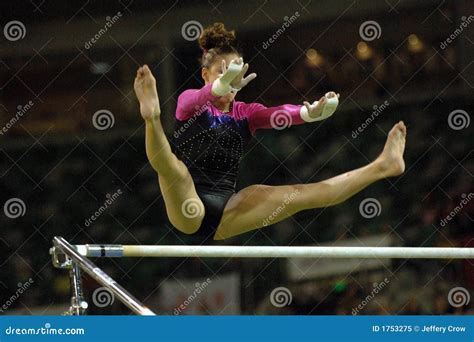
[(183, 206), (252, 207)]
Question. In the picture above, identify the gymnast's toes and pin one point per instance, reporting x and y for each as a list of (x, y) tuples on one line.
[(391, 159)]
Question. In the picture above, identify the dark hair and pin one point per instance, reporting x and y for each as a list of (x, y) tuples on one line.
[(215, 40)]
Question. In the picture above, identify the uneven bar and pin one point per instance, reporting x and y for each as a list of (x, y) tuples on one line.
[(181, 251), (101, 277)]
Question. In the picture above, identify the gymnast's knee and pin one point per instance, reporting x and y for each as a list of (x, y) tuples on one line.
[(188, 227), (190, 218)]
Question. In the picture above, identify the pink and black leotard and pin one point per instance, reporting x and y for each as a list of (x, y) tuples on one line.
[(211, 144)]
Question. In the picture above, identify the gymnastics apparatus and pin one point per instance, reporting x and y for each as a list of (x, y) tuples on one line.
[(75, 259)]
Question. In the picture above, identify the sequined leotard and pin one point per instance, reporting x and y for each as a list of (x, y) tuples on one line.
[(211, 144)]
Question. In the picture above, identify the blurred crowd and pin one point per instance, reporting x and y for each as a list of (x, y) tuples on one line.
[(435, 292)]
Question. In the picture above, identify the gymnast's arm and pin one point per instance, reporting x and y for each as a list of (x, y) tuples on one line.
[(194, 101), (280, 117)]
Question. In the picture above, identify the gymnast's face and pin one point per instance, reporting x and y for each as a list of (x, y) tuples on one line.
[(211, 73)]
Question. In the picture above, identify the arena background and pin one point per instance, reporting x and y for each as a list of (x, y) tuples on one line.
[(72, 148)]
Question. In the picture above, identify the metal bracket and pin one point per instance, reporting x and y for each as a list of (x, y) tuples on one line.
[(60, 259), (78, 304)]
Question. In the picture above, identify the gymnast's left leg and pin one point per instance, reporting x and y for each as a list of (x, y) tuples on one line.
[(260, 205)]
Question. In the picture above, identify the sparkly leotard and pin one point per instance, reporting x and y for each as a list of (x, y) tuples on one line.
[(211, 144)]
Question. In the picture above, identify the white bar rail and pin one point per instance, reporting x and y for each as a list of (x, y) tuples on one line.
[(180, 251)]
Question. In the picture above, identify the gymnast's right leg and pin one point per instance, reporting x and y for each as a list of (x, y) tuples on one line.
[(184, 207)]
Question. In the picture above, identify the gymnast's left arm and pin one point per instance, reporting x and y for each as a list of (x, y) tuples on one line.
[(283, 116)]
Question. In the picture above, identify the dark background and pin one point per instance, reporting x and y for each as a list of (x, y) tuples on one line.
[(62, 167)]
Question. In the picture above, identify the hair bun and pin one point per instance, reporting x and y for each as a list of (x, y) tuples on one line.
[(216, 36)]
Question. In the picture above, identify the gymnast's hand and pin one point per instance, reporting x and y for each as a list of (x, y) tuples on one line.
[(231, 78), (239, 81), (322, 109)]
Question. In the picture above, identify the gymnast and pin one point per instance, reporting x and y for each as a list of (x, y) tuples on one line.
[(197, 172)]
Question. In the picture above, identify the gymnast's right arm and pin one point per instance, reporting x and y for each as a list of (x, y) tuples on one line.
[(193, 101)]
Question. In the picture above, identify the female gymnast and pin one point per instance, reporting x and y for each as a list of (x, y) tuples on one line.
[(197, 177)]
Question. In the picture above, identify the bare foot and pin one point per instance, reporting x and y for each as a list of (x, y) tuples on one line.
[(145, 89), (391, 160)]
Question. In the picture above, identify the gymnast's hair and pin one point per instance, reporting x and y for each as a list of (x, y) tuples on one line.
[(214, 41)]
